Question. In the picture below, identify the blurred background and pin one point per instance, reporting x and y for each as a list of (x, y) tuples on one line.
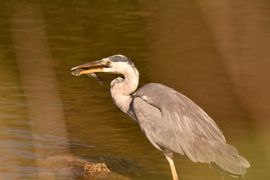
[(215, 52)]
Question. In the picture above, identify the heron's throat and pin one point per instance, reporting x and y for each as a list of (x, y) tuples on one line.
[(121, 89)]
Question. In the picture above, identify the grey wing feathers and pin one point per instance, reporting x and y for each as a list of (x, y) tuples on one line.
[(173, 122)]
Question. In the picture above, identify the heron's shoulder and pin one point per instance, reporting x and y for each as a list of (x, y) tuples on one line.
[(154, 89), (156, 93)]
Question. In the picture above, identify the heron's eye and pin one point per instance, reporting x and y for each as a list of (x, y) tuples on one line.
[(107, 63)]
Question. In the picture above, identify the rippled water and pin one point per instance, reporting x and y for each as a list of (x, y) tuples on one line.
[(214, 52)]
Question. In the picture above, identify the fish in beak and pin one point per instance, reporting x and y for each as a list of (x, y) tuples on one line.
[(90, 69)]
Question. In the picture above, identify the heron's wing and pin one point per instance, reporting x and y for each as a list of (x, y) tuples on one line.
[(179, 112), (172, 121)]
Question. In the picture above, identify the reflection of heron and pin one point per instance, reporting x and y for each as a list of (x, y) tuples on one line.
[(170, 120)]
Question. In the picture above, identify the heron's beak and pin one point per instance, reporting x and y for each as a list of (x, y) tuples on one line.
[(88, 68)]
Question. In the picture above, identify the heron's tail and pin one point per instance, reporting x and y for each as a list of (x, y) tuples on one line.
[(227, 157)]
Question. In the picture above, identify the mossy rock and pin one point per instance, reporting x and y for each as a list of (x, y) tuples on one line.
[(102, 167)]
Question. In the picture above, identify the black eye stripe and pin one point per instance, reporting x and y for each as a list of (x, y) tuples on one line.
[(120, 58)]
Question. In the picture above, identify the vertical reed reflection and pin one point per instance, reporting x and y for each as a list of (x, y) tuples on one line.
[(241, 32), (45, 111)]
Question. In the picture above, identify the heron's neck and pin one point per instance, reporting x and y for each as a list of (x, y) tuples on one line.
[(121, 89)]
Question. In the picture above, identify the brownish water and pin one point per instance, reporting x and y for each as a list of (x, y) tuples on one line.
[(217, 53)]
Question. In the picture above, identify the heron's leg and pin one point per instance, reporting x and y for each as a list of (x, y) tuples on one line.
[(220, 175), (169, 157)]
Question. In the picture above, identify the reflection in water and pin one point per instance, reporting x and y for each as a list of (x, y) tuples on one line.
[(216, 53), (38, 80), (245, 56)]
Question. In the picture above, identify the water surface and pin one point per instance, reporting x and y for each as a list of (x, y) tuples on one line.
[(216, 53)]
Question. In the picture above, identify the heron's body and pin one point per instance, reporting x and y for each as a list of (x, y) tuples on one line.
[(171, 121), (174, 123)]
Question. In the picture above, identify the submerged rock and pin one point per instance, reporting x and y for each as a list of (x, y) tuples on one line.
[(89, 168)]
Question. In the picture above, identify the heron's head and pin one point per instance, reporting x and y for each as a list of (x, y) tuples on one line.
[(116, 64)]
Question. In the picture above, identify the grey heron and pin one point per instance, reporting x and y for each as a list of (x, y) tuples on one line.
[(171, 121)]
